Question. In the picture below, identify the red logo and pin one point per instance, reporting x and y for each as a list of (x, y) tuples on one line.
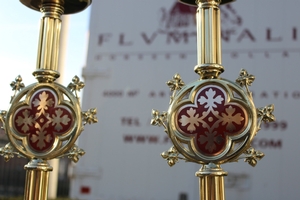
[(179, 16)]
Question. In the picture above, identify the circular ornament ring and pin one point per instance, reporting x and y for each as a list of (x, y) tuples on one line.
[(44, 120), (212, 121)]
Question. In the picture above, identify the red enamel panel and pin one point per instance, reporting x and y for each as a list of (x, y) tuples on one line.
[(42, 120), (210, 119)]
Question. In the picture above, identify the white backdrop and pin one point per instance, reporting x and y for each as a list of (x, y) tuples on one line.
[(134, 48)]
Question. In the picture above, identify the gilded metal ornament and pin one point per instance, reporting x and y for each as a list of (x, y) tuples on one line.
[(76, 85), (212, 120), (159, 119), (74, 153), (8, 152), (89, 117), (45, 118), (175, 84), (45, 122), (172, 156), (16, 85), (252, 156)]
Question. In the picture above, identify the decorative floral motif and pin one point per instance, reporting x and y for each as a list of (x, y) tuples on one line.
[(76, 85), (210, 140), (16, 85), (26, 120), (176, 83), (43, 102), (230, 119), (211, 100), (89, 117), (211, 119), (192, 119), (42, 120)]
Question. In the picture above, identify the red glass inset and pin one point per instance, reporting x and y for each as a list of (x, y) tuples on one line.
[(211, 119), (42, 120)]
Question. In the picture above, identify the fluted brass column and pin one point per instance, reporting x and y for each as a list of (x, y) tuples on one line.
[(48, 46), (211, 182), (209, 39), (37, 178)]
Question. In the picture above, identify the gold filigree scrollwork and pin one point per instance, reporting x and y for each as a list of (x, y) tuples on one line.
[(171, 155), (159, 119), (74, 153), (252, 156), (245, 80), (8, 152), (265, 114), (89, 117), (175, 84), (76, 85), (17, 86)]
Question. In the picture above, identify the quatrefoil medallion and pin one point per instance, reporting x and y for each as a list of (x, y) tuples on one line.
[(45, 121), (211, 120), (42, 120)]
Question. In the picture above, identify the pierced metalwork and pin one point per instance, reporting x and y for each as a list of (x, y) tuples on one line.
[(89, 117), (16, 85), (76, 85)]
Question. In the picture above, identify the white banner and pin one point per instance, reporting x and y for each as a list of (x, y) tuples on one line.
[(135, 48)]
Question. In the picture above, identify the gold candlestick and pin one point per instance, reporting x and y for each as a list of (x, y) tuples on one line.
[(45, 118), (211, 121)]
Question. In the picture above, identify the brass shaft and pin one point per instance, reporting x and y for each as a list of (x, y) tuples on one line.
[(211, 182), (48, 46), (208, 30), (37, 178), (209, 39)]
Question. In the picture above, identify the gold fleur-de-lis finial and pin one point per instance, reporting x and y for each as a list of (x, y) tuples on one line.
[(76, 85), (159, 118), (8, 152), (171, 156), (3, 115), (74, 153), (252, 156), (89, 117), (175, 84), (266, 114), (245, 80), (16, 85)]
